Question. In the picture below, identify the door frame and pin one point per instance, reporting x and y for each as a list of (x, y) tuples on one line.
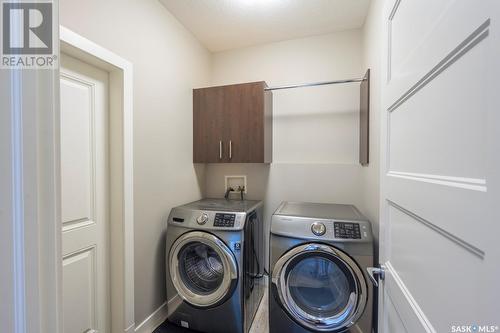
[(121, 229)]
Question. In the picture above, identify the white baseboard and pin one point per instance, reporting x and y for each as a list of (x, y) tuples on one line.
[(153, 320), (130, 329), (174, 303)]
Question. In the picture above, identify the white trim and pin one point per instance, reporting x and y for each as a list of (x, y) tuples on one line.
[(71, 38), (416, 315), (173, 304), (457, 240), (440, 177), (130, 329), (30, 250), (459, 182), (153, 320), (121, 126), (18, 202)]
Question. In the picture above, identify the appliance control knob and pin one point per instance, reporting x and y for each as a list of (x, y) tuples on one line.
[(202, 219), (318, 228)]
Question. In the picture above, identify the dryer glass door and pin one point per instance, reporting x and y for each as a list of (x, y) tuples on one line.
[(320, 287), (203, 269)]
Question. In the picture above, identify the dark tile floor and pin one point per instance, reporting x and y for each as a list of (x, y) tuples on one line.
[(167, 327)]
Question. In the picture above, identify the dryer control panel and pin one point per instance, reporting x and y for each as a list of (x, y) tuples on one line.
[(347, 230), (326, 229)]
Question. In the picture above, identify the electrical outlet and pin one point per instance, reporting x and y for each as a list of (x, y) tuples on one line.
[(234, 182)]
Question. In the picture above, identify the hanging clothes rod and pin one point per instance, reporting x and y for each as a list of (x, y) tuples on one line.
[(292, 86)]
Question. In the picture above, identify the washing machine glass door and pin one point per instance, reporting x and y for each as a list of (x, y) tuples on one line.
[(202, 268), (320, 287)]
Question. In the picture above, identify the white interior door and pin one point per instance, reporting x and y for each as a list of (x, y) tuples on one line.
[(440, 202), (84, 195)]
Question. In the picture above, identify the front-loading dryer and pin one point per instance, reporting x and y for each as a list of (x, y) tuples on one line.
[(214, 258), (318, 259)]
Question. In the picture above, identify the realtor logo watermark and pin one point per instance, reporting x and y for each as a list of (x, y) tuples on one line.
[(474, 328), (27, 35)]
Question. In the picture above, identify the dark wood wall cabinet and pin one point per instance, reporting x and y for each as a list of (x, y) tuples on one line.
[(232, 124)]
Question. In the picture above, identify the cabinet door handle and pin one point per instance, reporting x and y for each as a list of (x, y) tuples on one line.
[(230, 149), (220, 150)]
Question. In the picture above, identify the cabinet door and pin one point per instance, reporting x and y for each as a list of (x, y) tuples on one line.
[(244, 110), (208, 125)]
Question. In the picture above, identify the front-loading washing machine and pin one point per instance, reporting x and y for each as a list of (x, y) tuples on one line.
[(214, 261), (318, 259)]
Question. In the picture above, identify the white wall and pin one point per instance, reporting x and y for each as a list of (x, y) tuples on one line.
[(372, 57), (168, 62), (315, 155)]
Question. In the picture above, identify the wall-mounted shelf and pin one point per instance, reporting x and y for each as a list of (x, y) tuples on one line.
[(364, 109), (233, 123)]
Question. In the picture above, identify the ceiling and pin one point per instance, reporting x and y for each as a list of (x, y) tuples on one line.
[(228, 24)]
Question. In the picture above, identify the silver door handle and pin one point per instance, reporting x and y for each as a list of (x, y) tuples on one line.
[(90, 330), (220, 150), (376, 274), (230, 149)]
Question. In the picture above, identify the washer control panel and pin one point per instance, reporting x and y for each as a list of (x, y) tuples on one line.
[(347, 230), (224, 220)]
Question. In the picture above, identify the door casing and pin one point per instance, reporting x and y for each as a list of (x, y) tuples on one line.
[(121, 172)]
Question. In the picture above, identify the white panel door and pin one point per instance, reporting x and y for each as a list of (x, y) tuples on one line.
[(440, 200), (84, 196)]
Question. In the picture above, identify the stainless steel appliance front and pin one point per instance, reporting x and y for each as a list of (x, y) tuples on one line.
[(318, 256), (214, 254)]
